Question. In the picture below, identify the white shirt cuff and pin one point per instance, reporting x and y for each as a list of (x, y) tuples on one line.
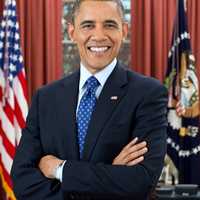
[(59, 171)]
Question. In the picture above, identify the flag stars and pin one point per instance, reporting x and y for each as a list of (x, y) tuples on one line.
[(187, 153), (178, 40), (17, 36), (3, 23), (185, 35), (8, 2), (177, 148), (7, 44), (195, 151), (192, 57), (9, 12), (12, 67), (2, 34), (8, 34), (16, 47), (1, 44), (13, 3), (183, 153), (17, 25), (14, 58), (13, 13), (5, 13), (10, 23), (20, 59), (10, 78)]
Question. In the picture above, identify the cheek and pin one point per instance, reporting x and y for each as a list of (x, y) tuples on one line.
[(80, 39), (116, 39), (117, 44)]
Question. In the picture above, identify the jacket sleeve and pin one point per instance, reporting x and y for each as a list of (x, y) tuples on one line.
[(28, 182), (134, 181)]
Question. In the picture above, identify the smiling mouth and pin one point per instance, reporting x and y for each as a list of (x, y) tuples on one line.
[(99, 49)]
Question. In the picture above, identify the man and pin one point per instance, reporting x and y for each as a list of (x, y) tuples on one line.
[(83, 136)]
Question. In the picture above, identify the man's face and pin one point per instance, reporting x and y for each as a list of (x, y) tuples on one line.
[(98, 31)]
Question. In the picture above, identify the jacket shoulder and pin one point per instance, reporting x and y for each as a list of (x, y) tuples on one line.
[(141, 81), (55, 85), (140, 84)]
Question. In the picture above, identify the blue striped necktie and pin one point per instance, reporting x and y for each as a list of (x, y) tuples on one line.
[(85, 110)]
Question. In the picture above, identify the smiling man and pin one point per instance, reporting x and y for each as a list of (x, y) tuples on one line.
[(100, 132), (98, 29)]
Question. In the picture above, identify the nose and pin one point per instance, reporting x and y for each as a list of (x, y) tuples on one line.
[(99, 33)]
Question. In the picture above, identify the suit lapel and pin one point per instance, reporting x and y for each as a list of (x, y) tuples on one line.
[(67, 115), (112, 93)]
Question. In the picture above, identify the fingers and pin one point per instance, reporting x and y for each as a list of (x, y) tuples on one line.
[(133, 147), (135, 154), (131, 143), (136, 161), (131, 154)]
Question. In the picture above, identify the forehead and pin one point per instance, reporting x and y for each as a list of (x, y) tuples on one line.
[(98, 11)]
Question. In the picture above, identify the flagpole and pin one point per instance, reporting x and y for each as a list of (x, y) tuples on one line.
[(185, 5)]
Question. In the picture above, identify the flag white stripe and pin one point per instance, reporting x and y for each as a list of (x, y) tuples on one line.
[(18, 131), (2, 80), (18, 91), (6, 159), (7, 126)]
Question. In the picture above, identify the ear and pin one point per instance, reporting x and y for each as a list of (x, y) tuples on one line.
[(125, 29), (70, 30)]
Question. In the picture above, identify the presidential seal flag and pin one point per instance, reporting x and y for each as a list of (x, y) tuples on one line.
[(182, 83), (13, 93)]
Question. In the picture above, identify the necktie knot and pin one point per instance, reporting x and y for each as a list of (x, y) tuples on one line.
[(91, 84)]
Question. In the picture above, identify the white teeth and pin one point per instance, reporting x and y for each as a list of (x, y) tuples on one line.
[(99, 49)]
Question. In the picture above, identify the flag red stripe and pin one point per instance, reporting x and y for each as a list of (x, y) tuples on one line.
[(8, 145), (9, 112), (18, 114), (22, 80), (1, 93)]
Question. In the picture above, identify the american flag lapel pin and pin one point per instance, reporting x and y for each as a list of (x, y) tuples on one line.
[(114, 98)]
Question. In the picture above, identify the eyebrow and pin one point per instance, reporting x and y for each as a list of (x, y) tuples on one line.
[(111, 22), (87, 22), (93, 22)]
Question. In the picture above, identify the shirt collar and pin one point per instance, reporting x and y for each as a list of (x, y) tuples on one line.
[(101, 76)]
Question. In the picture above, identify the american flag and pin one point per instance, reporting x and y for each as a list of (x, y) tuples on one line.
[(182, 83), (13, 93)]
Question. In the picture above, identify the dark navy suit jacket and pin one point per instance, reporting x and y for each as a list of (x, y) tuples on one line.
[(138, 111)]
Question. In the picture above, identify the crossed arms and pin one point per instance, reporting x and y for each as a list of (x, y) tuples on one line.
[(129, 174)]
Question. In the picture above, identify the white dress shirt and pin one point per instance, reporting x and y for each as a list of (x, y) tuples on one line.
[(102, 77)]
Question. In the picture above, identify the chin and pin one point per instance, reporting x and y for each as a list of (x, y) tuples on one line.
[(99, 67)]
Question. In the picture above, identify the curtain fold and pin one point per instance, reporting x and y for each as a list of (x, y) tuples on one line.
[(41, 38), (193, 7), (152, 26)]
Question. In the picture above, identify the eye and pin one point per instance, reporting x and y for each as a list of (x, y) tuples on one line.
[(87, 26), (111, 26)]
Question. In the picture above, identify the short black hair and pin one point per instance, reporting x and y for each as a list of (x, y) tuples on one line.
[(77, 4)]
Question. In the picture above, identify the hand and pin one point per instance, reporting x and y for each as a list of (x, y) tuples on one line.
[(131, 154), (180, 109), (48, 164)]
